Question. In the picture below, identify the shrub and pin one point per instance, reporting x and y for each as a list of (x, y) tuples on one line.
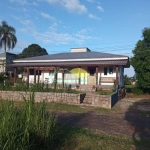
[(38, 87), (21, 86), (135, 90)]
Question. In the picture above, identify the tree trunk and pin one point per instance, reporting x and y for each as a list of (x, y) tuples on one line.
[(5, 47)]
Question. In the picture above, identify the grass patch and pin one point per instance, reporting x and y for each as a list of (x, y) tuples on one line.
[(29, 127), (106, 111), (53, 106), (81, 139), (104, 92)]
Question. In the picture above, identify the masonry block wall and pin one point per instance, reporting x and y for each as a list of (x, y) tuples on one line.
[(103, 101), (40, 96)]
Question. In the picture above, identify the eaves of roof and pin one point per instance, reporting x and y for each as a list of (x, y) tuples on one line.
[(123, 62)]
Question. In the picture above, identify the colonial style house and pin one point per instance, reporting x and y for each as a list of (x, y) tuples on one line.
[(81, 66)]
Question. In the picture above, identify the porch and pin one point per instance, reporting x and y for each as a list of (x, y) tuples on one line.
[(84, 75)]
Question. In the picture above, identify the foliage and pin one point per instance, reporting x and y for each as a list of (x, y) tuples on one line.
[(27, 128), (104, 92), (38, 87), (113, 88), (7, 36), (127, 80), (141, 60), (135, 90), (21, 86), (32, 51), (2, 77)]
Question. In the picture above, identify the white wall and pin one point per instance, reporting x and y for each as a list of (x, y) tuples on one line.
[(69, 78)]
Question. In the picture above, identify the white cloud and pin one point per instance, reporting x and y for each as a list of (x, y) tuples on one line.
[(93, 1), (26, 22), (24, 2), (44, 15), (70, 5), (100, 8), (91, 16)]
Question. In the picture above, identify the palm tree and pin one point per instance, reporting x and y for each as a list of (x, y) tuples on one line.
[(7, 36)]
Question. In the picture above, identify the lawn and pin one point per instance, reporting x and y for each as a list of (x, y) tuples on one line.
[(82, 139), (69, 138)]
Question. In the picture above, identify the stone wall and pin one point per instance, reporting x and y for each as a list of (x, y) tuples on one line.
[(40, 96), (103, 101)]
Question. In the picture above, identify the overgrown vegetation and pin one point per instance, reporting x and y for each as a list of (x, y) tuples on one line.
[(27, 128), (6, 85)]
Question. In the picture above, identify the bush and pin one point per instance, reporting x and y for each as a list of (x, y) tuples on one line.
[(21, 86), (28, 128), (135, 90), (38, 87)]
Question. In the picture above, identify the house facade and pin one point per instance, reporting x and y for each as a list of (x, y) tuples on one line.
[(6, 59), (81, 66)]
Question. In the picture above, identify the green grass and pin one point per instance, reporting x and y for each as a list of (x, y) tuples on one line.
[(106, 111), (27, 127), (81, 139), (104, 92), (53, 106), (130, 86)]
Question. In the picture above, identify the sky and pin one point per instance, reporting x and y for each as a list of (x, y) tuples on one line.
[(111, 26)]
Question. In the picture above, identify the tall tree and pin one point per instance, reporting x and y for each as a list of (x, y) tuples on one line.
[(141, 60), (32, 51), (7, 36)]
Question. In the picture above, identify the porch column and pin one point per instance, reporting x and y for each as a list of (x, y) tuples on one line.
[(55, 78), (38, 75), (63, 74), (27, 77), (116, 75), (15, 74), (96, 75), (34, 75), (79, 79)]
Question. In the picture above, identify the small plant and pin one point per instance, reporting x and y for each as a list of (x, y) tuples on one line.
[(94, 88), (113, 88), (77, 86)]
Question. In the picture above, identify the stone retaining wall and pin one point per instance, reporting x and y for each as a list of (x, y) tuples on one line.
[(40, 96), (103, 101)]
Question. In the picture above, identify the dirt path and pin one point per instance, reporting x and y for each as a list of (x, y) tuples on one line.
[(128, 121)]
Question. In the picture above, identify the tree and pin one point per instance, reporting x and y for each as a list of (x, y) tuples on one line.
[(7, 36), (32, 50), (127, 80), (141, 60)]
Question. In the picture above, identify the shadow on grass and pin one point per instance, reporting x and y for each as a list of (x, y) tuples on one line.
[(138, 117)]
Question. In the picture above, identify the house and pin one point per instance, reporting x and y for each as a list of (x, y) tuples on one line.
[(6, 59), (81, 66)]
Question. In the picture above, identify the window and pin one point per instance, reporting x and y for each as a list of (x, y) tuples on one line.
[(105, 70), (92, 71), (110, 70), (32, 72)]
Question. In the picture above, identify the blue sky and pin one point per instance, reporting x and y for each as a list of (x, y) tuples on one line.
[(112, 26)]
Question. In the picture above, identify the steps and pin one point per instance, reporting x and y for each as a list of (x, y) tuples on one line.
[(86, 88), (88, 98)]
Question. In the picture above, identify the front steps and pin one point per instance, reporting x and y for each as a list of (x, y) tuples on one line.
[(88, 98), (86, 88)]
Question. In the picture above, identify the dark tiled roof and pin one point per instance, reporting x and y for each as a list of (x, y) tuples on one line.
[(75, 63), (74, 55)]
